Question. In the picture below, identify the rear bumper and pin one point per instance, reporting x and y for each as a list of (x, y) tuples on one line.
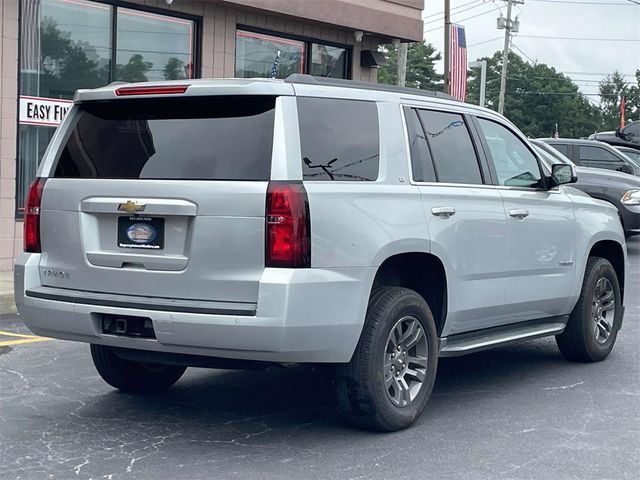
[(302, 315)]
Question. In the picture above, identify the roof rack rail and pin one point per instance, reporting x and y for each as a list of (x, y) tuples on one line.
[(339, 82)]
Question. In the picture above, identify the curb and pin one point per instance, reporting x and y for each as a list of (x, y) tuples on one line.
[(7, 305)]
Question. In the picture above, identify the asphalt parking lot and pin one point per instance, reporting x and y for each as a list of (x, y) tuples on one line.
[(516, 412)]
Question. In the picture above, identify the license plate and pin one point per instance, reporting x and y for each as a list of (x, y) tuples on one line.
[(141, 232)]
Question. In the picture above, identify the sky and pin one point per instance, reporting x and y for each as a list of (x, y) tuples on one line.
[(601, 24)]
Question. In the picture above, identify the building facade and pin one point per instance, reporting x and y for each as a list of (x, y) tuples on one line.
[(50, 48)]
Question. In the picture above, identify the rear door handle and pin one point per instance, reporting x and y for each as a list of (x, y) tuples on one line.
[(444, 212), (519, 213)]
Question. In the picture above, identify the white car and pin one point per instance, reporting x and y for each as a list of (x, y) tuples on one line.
[(224, 223)]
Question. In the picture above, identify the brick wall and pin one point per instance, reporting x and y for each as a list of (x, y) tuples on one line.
[(10, 237), (219, 23)]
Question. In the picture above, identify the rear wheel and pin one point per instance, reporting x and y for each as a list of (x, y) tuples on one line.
[(391, 374), (594, 323), (131, 376)]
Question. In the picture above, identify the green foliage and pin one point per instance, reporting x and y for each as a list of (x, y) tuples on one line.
[(612, 87), (174, 69), (537, 97), (135, 70), (421, 72)]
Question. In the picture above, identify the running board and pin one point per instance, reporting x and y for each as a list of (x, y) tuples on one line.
[(465, 343)]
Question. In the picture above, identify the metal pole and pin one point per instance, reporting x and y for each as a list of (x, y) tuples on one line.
[(401, 69), (482, 65), (447, 35), (505, 60), (483, 82)]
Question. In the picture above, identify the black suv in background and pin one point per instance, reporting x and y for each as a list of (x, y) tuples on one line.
[(628, 136), (619, 189), (591, 153)]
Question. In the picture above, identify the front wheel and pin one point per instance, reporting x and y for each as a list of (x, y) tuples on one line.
[(594, 323), (132, 376), (389, 379)]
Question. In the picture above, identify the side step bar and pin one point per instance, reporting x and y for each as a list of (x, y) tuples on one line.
[(465, 343)]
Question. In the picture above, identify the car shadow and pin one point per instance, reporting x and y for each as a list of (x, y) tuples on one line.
[(250, 402)]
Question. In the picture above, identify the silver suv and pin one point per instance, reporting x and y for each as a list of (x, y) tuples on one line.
[(227, 223)]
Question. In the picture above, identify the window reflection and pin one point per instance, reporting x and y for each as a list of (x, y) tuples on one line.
[(153, 47), (267, 56), (327, 61)]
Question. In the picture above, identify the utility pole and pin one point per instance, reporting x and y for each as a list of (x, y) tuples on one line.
[(447, 40), (509, 26), (401, 69)]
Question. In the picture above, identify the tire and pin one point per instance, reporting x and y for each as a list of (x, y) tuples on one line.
[(368, 394), (130, 376), (583, 340)]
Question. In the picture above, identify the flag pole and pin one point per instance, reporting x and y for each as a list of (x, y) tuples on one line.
[(447, 42)]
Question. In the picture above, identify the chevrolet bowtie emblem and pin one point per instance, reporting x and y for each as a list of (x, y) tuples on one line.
[(131, 207)]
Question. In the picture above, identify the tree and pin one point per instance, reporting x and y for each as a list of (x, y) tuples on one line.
[(174, 69), (421, 72), (537, 97), (611, 89), (135, 70), (66, 65)]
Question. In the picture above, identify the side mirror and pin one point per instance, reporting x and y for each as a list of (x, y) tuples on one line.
[(562, 173), (625, 168), (617, 133)]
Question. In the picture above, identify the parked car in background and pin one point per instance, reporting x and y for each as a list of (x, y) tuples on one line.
[(631, 153), (591, 153), (619, 189), (628, 136)]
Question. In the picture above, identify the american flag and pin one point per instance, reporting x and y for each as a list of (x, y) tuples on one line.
[(274, 69), (458, 63)]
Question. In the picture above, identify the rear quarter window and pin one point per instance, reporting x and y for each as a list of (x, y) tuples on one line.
[(339, 139), (203, 138)]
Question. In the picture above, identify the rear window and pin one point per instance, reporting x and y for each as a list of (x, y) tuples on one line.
[(339, 139), (204, 138)]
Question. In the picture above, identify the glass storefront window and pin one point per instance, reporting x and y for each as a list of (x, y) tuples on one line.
[(328, 61), (260, 55), (68, 44), (267, 56), (75, 51), (153, 47)]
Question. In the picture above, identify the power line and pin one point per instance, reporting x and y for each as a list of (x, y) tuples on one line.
[(634, 1), (456, 13), (520, 50), (465, 19), (580, 2), (454, 8), (582, 38), (483, 42)]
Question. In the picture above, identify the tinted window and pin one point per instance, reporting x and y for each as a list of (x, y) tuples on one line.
[(421, 163), (450, 146), (632, 131), (223, 138), (589, 153), (514, 163), (339, 139), (562, 148)]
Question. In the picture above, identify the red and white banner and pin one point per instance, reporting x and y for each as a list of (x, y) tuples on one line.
[(458, 63), (43, 111)]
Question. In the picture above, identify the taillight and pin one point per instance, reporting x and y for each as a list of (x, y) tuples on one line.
[(162, 90), (32, 216), (288, 229)]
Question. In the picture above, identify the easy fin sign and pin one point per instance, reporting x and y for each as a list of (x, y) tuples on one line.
[(43, 111)]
